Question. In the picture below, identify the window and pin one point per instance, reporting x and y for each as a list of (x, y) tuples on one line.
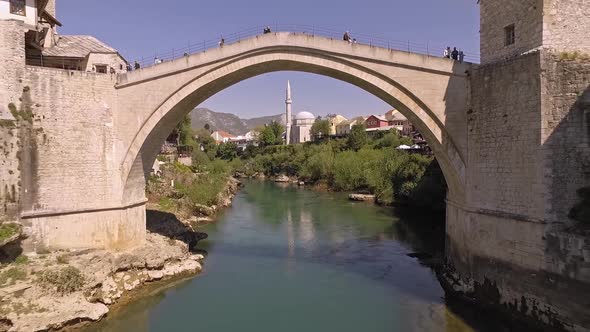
[(509, 35), (101, 69), (18, 7)]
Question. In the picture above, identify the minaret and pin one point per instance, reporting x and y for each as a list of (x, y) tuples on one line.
[(288, 120)]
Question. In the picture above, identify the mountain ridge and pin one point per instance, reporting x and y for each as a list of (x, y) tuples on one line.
[(229, 122)]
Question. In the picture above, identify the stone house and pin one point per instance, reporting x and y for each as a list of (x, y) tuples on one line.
[(343, 128), (335, 120), (399, 122), (221, 136), (84, 53), (46, 48), (376, 121)]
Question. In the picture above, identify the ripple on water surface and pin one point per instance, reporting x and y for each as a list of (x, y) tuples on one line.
[(287, 259)]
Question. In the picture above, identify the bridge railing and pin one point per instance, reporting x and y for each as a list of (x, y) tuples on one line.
[(433, 49)]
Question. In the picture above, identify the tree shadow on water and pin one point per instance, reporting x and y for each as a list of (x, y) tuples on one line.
[(168, 225)]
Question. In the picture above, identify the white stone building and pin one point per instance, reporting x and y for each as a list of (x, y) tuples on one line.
[(84, 53), (46, 48), (301, 129)]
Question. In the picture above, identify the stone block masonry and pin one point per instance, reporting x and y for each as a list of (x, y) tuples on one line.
[(75, 200), (507, 247), (558, 25), (12, 53), (565, 132)]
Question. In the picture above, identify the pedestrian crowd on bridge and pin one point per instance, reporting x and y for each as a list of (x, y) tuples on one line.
[(454, 54)]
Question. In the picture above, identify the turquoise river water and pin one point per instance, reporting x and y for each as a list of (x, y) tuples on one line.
[(289, 259)]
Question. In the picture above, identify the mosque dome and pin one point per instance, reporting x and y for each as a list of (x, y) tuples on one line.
[(304, 116)]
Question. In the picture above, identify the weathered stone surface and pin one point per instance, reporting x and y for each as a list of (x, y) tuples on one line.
[(107, 277), (558, 25), (282, 178), (361, 197), (205, 210)]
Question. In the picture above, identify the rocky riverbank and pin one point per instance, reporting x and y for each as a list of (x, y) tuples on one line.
[(190, 196), (52, 291)]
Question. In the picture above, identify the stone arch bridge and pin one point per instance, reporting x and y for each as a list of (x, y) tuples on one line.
[(96, 136)]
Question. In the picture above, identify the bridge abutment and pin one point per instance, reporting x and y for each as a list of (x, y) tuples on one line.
[(106, 228), (516, 267), (510, 242)]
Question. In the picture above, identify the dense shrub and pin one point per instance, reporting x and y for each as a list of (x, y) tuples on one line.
[(65, 280), (11, 275), (392, 175)]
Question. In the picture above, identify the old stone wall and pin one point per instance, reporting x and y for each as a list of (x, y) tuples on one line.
[(110, 59), (561, 25), (12, 53), (511, 244), (526, 15), (565, 25), (504, 173), (565, 132), (9, 170), (71, 184), (73, 117)]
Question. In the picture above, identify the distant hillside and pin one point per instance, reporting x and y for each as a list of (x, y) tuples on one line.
[(229, 122), (261, 121)]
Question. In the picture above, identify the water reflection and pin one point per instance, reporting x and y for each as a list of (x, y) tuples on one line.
[(286, 259)]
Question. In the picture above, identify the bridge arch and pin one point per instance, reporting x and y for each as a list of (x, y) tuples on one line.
[(226, 71)]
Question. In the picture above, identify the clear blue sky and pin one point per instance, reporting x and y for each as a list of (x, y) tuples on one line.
[(142, 28)]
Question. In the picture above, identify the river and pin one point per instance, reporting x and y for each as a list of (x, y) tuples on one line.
[(287, 259)]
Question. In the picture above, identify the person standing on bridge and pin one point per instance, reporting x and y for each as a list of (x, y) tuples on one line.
[(137, 65), (461, 56), (221, 42), (346, 37), (455, 54), (447, 52), (266, 30)]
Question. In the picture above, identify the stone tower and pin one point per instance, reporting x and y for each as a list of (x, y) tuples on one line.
[(288, 103), (528, 132), (514, 27)]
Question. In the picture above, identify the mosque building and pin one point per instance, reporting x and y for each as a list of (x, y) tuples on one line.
[(298, 131)]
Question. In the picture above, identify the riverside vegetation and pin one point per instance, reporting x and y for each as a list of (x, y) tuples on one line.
[(359, 162)]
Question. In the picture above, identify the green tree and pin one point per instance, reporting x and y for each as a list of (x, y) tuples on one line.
[(271, 134), (278, 130), (266, 136), (227, 151), (392, 139), (320, 128), (358, 137), (185, 131)]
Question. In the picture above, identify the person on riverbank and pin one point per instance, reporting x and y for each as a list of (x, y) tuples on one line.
[(137, 65), (221, 42)]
